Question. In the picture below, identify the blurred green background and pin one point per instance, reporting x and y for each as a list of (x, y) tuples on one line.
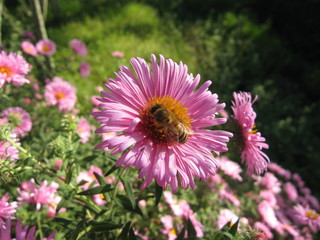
[(270, 48)]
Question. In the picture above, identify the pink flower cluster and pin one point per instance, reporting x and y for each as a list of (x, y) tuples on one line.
[(44, 196), (44, 46), (19, 119)]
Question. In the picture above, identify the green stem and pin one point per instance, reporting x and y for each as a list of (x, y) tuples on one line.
[(39, 225), (1, 7)]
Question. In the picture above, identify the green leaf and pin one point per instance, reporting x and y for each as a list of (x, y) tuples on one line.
[(111, 170), (124, 233), (181, 234), (227, 236), (100, 178), (234, 228), (125, 203), (158, 195), (74, 234), (129, 191), (64, 222), (191, 231), (96, 190), (104, 226), (132, 236), (62, 203), (89, 158), (69, 176)]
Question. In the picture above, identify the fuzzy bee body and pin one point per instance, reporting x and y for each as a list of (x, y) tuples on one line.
[(173, 127)]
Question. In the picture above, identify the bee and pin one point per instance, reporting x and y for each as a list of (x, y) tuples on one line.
[(173, 127)]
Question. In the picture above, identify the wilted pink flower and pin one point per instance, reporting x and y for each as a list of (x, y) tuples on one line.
[(19, 119), (43, 195), (230, 168), (7, 210), (28, 48), (225, 216), (291, 191), (13, 68), (91, 180), (20, 233), (78, 47), (251, 140), (268, 214), (165, 148), (307, 216), (83, 130), (60, 93), (84, 69), (265, 229), (28, 34), (117, 54), (271, 182), (46, 47)]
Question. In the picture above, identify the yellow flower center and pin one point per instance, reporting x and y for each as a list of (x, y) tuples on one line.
[(6, 70), (59, 95), (253, 130), (173, 232), (165, 120), (312, 215), (46, 48)]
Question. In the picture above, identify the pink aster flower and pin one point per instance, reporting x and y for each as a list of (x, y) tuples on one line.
[(264, 228), (168, 229), (19, 119), (29, 48), (271, 182), (225, 216), (60, 93), (13, 68), (84, 69), (276, 168), (46, 47), (307, 216), (21, 232), (117, 54), (78, 47), (268, 214), (162, 117), (83, 130), (252, 142), (291, 191), (43, 195), (7, 210), (230, 168), (8, 151)]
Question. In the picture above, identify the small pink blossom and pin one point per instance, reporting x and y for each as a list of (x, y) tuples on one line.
[(271, 182), (307, 216), (60, 93), (268, 214), (252, 141), (57, 164), (13, 69), (84, 69), (27, 101), (168, 229), (8, 151), (117, 54), (28, 34), (83, 130), (225, 216), (230, 168), (276, 168), (269, 196), (224, 194), (46, 47), (264, 228), (7, 210), (19, 119), (79, 47), (29, 48)]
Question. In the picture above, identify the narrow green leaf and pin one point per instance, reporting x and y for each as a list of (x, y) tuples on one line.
[(111, 170), (96, 190), (69, 176), (227, 236), (89, 158), (62, 203), (158, 195), (64, 222), (234, 228), (104, 226), (181, 234), (124, 233), (125, 203), (79, 228), (129, 191), (132, 236), (100, 178), (191, 231)]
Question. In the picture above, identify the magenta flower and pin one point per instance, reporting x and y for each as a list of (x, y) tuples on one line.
[(28, 34), (20, 233), (19, 119), (252, 141), (117, 54), (83, 130), (307, 216), (13, 68), (84, 69), (29, 48), (162, 117), (60, 93), (78, 47), (46, 47), (44, 195), (7, 210)]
